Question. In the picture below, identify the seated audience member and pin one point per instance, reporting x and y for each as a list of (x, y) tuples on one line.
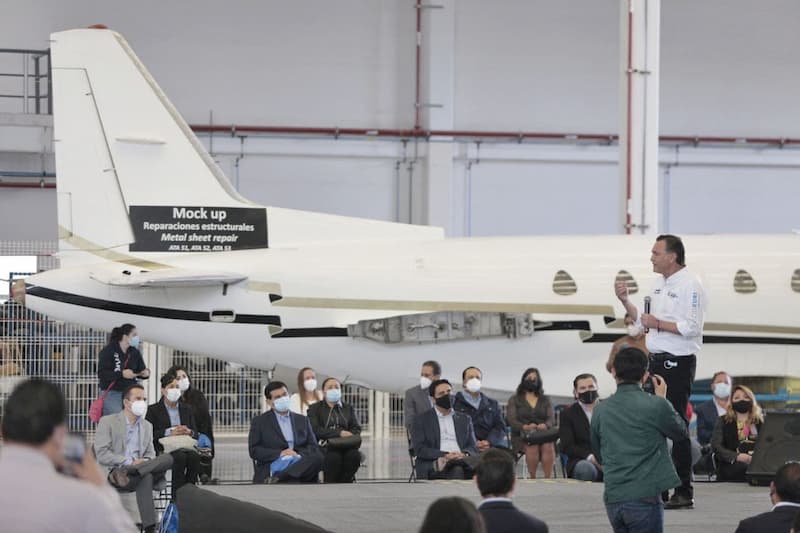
[(173, 418), (495, 478), (529, 411), (708, 412), (444, 441), (487, 418), (784, 492), (452, 515), (417, 399), (735, 435), (335, 423), (124, 446), (635, 338), (307, 393), (193, 397), (575, 431), (281, 435), (35, 495)]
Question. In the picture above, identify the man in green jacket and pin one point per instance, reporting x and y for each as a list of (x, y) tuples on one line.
[(629, 432)]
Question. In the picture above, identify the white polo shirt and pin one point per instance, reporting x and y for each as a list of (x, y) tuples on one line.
[(679, 298)]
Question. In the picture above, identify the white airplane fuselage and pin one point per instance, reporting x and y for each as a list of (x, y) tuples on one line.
[(332, 286)]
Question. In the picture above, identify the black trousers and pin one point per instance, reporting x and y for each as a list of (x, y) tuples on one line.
[(185, 469), (678, 373), (306, 470), (732, 472), (341, 465)]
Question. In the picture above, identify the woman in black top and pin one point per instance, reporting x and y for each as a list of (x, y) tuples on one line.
[(735, 434), (194, 397), (332, 419), (528, 411), (120, 363)]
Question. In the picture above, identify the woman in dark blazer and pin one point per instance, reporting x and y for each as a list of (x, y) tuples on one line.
[(195, 398), (530, 410), (735, 434), (331, 419)]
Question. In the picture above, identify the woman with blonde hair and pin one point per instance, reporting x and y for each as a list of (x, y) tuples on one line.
[(307, 393), (735, 435)]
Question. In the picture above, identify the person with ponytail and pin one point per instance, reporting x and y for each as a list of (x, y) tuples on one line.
[(120, 365)]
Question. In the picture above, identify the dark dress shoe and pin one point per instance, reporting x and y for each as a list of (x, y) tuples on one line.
[(118, 478), (679, 501)]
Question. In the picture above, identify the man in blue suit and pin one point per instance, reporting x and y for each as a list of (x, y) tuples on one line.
[(282, 435), (444, 441)]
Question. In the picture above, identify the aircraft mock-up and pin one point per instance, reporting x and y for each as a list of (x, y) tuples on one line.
[(152, 233)]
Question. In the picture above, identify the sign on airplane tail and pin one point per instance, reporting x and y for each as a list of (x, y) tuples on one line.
[(197, 228)]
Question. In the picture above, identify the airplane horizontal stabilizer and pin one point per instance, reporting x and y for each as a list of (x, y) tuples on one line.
[(173, 277)]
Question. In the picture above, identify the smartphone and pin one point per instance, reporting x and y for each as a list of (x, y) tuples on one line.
[(74, 451)]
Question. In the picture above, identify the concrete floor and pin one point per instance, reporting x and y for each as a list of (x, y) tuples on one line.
[(566, 505), (383, 502)]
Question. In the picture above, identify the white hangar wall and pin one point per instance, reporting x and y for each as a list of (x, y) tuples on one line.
[(728, 68)]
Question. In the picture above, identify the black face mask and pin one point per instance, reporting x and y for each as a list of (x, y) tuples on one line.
[(588, 396), (742, 406), (445, 402), (531, 385)]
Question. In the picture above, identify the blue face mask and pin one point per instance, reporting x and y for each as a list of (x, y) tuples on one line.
[(281, 404), (333, 395), (135, 341)]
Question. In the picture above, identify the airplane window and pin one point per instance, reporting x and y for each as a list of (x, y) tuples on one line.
[(564, 284), (796, 280), (743, 282), (627, 278)]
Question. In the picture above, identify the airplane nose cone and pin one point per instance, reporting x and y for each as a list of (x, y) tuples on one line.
[(18, 291)]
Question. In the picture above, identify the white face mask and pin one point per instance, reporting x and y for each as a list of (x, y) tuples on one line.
[(722, 391), (310, 385), (139, 408), (634, 330), (473, 385), (173, 395), (424, 382), (183, 384)]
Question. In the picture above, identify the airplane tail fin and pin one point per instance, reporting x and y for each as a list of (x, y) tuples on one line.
[(132, 178)]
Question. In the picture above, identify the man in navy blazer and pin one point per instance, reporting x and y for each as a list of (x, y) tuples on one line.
[(784, 491), (281, 433), (442, 435), (709, 412), (495, 478)]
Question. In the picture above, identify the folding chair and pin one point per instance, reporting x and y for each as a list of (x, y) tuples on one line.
[(413, 458)]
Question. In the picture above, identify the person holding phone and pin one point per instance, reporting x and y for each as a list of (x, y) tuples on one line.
[(629, 432), (37, 452), (120, 365)]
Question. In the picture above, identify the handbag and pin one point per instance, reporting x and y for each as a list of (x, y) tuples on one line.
[(177, 442), (540, 436), (96, 407), (344, 443)]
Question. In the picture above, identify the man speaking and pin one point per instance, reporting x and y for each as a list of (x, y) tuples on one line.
[(674, 326)]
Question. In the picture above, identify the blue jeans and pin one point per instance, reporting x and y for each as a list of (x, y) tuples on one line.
[(112, 403), (585, 471), (645, 515)]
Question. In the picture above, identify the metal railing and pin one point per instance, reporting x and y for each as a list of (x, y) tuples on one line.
[(34, 77)]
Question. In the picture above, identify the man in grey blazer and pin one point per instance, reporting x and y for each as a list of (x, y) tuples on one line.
[(124, 446), (418, 400)]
